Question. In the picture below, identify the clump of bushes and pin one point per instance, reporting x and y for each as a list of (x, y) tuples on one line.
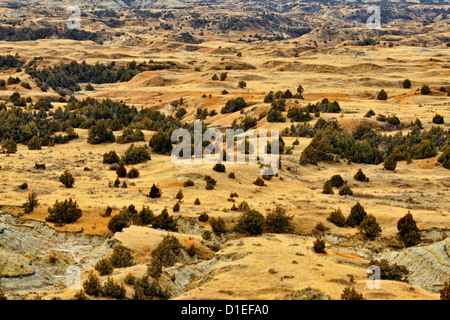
[(113, 290), (369, 227), (259, 182), (337, 218), (234, 105), (351, 294), (168, 251), (218, 225), (204, 217), (391, 272), (219, 167), (382, 95), (66, 211), (133, 173), (67, 179), (357, 215), (104, 267), (164, 221), (408, 230), (188, 183), (278, 221), (92, 285), (31, 203), (34, 143), (111, 157), (438, 119), (250, 222), (360, 176), (135, 155), (390, 163), (444, 158), (155, 192), (345, 191), (319, 246)]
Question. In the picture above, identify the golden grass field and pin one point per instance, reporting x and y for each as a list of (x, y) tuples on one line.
[(351, 75)]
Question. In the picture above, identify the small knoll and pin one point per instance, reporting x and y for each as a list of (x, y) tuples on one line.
[(232, 65), (322, 68), (148, 79), (143, 240), (13, 265), (429, 265)]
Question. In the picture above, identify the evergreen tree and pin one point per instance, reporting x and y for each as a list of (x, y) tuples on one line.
[(155, 192), (369, 227), (357, 215), (34, 143)]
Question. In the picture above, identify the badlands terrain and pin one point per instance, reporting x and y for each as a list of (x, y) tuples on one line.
[(178, 49)]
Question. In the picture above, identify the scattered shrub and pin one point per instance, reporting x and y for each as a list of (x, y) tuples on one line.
[(360, 176), (104, 267), (164, 221), (319, 246), (110, 157), (382, 95), (179, 196), (219, 167), (67, 179), (188, 183), (345, 191), (218, 225), (357, 215), (34, 143), (259, 182), (327, 187), (92, 285), (408, 230), (278, 221), (391, 272), (425, 89), (64, 212), (337, 181), (445, 291), (9, 146), (438, 119), (390, 163), (197, 202), (155, 192), (250, 222), (129, 279), (406, 84), (369, 227), (351, 294), (113, 290), (31, 203), (121, 257), (337, 218), (204, 217), (133, 173), (121, 171)]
